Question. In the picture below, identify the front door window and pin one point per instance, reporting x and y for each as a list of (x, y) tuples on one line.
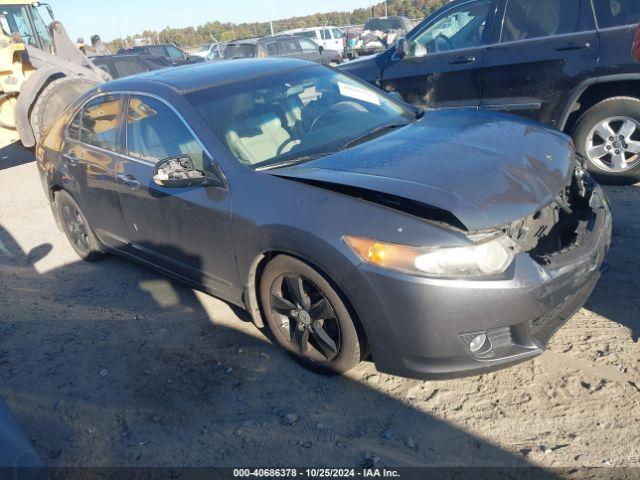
[(461, 27)]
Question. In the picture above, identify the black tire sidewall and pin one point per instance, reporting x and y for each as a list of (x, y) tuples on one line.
[(351, 345), (95, 251), (614, 107)]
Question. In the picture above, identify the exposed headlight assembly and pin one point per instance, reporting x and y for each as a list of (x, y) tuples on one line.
[(490, 257)]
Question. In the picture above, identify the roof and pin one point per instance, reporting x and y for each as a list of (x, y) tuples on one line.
[(205, 75)]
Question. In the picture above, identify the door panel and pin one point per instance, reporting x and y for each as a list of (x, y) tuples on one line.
[(617, 23), (540, 59), (91, 158), (185, 230), (442, 67)]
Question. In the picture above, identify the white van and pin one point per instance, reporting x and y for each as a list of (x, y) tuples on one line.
[(331, 38)]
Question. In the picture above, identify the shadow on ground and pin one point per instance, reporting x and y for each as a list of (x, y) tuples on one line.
[(617, 293), (129, 369), (14, 155)]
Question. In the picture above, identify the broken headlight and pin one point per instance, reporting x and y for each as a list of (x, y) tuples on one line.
[(490, 257)]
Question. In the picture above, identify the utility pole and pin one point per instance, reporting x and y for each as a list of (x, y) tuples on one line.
[(386, 11), (271, 26)]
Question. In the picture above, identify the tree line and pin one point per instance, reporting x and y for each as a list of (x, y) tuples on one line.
[(225, 32)]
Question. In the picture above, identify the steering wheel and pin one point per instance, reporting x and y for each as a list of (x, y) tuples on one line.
[(285, 145), (443, 38), (337, 108)]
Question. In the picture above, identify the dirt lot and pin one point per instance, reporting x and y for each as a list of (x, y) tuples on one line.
[(110, 364)]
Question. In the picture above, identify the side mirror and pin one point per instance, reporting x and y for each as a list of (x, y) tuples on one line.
[(402, 47), (179, 172), (321, 49)]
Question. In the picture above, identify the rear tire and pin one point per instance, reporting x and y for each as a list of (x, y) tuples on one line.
[(54, 99), (613, 118), (77, 228), (333, 345)]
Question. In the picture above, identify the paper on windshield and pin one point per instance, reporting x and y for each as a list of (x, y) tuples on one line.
[(358, 93)]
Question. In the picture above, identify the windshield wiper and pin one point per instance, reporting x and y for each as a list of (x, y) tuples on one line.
[(376, 132), (293, 161)]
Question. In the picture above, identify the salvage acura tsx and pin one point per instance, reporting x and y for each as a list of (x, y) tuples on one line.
[(440, 244)]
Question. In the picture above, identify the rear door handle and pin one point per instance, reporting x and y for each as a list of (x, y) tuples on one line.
[(71, 159), (572, 46), (462, 60), (130, 181)]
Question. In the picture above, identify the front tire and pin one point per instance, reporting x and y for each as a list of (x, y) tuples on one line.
[(308, 318), (77, 228), (608, 137)]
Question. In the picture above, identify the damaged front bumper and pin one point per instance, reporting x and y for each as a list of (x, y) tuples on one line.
[(425, 328)]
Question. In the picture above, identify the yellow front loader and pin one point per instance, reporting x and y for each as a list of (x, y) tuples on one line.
[(41, 70)]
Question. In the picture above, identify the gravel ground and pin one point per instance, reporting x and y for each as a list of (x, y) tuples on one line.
[(110, 364)]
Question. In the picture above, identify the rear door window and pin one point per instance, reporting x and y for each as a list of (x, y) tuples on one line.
[(100, 120), (617, 13), (155, 132), (527, 19), (73, 130), (126, 68), (156, 50), (273, 49), (289, 46)]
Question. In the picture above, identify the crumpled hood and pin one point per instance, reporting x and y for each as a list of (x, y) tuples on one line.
[(487, 169)]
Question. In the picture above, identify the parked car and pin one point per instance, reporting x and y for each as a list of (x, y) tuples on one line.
[(119, 66), (376, 36), (210, 51), (331, 38), (561, 62), (172, 53), (446, 243), (287, 46)]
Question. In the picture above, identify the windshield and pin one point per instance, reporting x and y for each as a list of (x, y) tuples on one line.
[(296, 115), (239, 50), (14, 20), (384, 24)]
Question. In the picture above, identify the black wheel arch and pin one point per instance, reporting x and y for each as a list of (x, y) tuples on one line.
[(594, 90), (254, 277)]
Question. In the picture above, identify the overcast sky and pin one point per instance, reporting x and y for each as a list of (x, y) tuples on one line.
[(115, 18)]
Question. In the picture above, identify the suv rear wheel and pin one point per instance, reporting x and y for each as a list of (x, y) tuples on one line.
[(608, 137)]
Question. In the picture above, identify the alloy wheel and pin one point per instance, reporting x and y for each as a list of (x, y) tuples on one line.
[(614, 144), (307, 318), (76, 227)]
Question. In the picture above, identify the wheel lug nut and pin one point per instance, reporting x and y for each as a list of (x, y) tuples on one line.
[(625, 146), (621, 137), (611, 139), (617, 152)]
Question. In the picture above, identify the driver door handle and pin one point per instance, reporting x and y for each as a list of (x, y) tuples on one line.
[(572, 46), (462, 60), (130, 181)]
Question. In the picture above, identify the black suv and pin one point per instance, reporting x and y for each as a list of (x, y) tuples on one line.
[(172, 53), (567, 63), (286, 46)]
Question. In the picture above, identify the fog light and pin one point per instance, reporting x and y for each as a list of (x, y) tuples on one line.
[(478, 343)]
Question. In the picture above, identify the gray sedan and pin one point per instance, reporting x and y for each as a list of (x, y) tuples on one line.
[(439, 244)]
